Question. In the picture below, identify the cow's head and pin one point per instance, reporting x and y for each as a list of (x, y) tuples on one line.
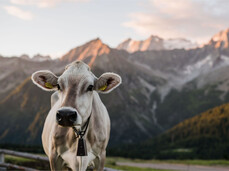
[(75, 87)]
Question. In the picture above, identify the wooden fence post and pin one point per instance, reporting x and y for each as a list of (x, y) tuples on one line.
[(2, 158)]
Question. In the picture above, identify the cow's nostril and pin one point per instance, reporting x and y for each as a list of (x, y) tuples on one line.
[(73, 117), (58, 117)]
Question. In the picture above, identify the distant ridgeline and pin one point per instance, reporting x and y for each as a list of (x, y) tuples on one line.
[(205, 136)]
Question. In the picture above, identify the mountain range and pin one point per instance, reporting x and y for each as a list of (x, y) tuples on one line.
[(156, 43), (162, 86)]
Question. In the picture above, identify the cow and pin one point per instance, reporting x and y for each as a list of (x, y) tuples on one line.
[(76, 109)]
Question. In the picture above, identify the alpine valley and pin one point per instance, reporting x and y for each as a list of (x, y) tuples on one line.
[(164, 83)]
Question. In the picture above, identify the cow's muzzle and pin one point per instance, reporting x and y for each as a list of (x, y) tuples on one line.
[(66, 117)]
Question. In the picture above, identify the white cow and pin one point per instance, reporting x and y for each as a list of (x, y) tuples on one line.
[(76, 109)]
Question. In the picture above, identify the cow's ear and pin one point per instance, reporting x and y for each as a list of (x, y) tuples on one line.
[(46, 80), (107, 82)]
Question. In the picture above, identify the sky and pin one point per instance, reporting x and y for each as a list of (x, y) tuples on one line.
[(53, 27)]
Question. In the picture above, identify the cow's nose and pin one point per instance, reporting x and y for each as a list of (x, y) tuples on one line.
[(66, 117)]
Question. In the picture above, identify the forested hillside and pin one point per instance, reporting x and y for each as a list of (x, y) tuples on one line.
[(204, 136)]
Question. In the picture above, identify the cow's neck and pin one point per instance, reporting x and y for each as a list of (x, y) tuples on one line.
[(96, 134)]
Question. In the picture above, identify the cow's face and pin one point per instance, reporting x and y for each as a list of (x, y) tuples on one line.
[(76, 87)]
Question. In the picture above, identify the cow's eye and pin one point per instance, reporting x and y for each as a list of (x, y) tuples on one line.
[(58, 87), (90, 88)]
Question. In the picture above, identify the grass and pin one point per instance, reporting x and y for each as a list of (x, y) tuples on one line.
[(199, 162), (111, 163), (15, 160), (129, 168), (187, 162), (27, 162)]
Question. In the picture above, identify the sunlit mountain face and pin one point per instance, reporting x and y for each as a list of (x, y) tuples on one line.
[(220, 40), (164, 83)]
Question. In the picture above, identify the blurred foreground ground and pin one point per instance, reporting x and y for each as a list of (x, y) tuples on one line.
[(141, 165)]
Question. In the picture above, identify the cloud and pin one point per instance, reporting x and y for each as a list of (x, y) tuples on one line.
[(43, 3), (197, 20), (19, 13)]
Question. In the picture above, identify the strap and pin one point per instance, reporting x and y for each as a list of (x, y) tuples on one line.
[(82, 133)]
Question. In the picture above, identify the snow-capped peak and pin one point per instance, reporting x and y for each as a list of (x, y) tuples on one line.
[(179, 43), (156, 43), (41, 58)]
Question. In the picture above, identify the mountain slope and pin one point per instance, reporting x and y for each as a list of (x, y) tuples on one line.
[(23, 112), (14, 70), (212, 123), (87, 52), (204, 136)]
